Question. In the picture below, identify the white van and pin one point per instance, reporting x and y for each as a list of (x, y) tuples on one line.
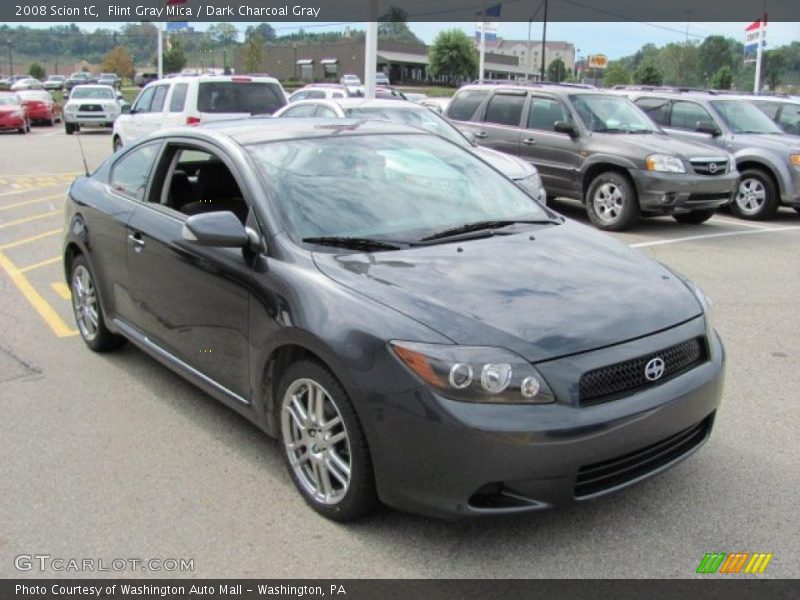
[(194, 100)]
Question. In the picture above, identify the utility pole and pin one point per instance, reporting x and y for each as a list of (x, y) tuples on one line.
[(528, 61), (544, 41), (10, 59), (482, 52), (160, 51), (371, 49), (759, 53)]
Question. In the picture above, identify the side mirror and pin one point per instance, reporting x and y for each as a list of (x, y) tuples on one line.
[(125, 109), (707, 127), (220, 229), (565, 127)]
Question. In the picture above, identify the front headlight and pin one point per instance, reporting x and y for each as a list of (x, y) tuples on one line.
[(71, 108), (665, 163), (532, 185), (794, 160), (705, 301), (474, 373)]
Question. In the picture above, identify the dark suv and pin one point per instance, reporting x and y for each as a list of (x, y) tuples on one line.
[(598, 148)]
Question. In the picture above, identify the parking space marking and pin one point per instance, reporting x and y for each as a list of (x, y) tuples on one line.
[(30, 239), (712, 235), (62, 289), (27, 202), (49, 213), (733, 222), (47, 312), (39, 264)]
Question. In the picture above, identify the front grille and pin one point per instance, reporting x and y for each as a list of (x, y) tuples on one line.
[(609, 474), (90, 108), (707, 197), (704, 166), (606, 383)]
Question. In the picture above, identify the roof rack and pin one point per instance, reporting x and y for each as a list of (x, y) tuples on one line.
[(528, 83)]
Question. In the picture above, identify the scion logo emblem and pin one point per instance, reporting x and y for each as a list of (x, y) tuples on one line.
[(712, 168), (654, 369)]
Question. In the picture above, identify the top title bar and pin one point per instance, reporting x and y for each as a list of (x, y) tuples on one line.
[(87, 11)]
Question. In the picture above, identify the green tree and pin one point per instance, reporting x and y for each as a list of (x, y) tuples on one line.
[(223, 34), (773, 68), (616, 74), (723, 78), (174, 58), (678, 62), (556, 70), (393, 25), (647, 73), (36, 71), (264, 31), (254, 54), (452, 56), (118, 61), (714, 53)]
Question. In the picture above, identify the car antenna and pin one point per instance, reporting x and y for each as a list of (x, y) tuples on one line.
[(83, 155)]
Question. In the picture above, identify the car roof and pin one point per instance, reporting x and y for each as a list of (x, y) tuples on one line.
[(365, 102), (93, 86), (267, 129), (556, 88)]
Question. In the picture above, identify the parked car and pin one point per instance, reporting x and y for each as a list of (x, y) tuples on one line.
[(318, 90), (5, 84), (111, 79), (28, 83), (54, 83), (598, 148), (521, 172), (409, 324), (142, 79), (13, 115), (41, 106), (381, 91), (382, 79), (78, 78), (196, 100), (91, 106), (438, 105), (350, 80), (768, 158), (784, 112), (415, 97)]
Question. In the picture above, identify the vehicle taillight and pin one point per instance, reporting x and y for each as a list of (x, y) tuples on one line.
[(193, 120)]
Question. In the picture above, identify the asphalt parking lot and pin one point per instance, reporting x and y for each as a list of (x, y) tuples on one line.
[(114, 456)]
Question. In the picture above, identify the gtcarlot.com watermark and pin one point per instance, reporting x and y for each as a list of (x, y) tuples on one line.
[(49, 563)]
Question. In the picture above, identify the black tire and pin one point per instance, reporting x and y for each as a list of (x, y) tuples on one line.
[(117, 144), (102, 340), (797, 208), (615, 188), (69, 128), (22, 130), (757, 197), (695, 217), (360, 497)]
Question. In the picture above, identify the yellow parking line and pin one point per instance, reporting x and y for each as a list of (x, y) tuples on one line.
[(62, 289), (23, 175), (23, 190), (41, 306), (33, 238), (26, 202), (42, 263), (49, 213)]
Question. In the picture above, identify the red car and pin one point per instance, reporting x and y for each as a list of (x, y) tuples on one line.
[(40, 106), (13, 115)]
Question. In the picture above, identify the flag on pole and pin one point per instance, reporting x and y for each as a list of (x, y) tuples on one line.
[(488, 26), (757, 30)]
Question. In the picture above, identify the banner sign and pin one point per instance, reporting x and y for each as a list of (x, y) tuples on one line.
[(755, 31)]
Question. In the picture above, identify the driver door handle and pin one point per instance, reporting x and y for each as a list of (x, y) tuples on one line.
[(136, 241), (480, 134), (529, 141)]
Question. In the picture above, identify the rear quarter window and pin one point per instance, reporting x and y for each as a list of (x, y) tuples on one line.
[(253, 97), (655, 108), (178, 100), (465, 103)]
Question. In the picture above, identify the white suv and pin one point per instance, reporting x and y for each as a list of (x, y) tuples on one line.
[(91, 106), (194, 100)]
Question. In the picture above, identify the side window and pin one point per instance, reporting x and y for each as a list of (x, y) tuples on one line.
[(142, 103), (338, 95), (178, 100), (685, 115), (130, 174), (297, 96), (769, 109), (465, 103), (544, 112), (505, 109), (306, 110), (655, 108), (315, 94), (325, 112), (157, 105), (790, 118)]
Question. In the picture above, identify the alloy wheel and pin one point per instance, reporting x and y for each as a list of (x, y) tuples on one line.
[(608, 202), (751, 196), (316, 441), (84, 303)]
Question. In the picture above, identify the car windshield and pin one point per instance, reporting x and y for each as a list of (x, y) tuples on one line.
[(8, 101), (92, 93), (399, 187), (416, 117), (611, 114), (34, 95), (743, 117)]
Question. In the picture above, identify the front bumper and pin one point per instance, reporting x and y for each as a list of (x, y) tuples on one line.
[(91, 119), (668, 193), (12, 123), (445, 458)]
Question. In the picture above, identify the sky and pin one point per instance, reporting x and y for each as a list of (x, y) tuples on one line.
[(614, 39)]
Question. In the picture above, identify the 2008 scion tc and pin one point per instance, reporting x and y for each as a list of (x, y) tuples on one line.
[(407, 322)]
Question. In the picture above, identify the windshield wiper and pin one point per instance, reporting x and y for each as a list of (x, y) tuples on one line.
[(353, 243), (480, 226)]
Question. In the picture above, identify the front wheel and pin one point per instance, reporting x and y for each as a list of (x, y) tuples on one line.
[(69, 128), (611, 202), (756, 199), (324, 444), (88, 312), (695, 217)]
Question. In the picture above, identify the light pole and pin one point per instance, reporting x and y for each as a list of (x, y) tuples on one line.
[(544, 41), (10, 59)]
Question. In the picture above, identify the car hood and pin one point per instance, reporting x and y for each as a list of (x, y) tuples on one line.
[(510, 166), (642, 144), (567, 290), (780, 143)]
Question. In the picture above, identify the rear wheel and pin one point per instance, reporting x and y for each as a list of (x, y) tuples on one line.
[(695, 217), (611, 202), (324, 445), (88, 313), (756, 199), (22, 130)]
